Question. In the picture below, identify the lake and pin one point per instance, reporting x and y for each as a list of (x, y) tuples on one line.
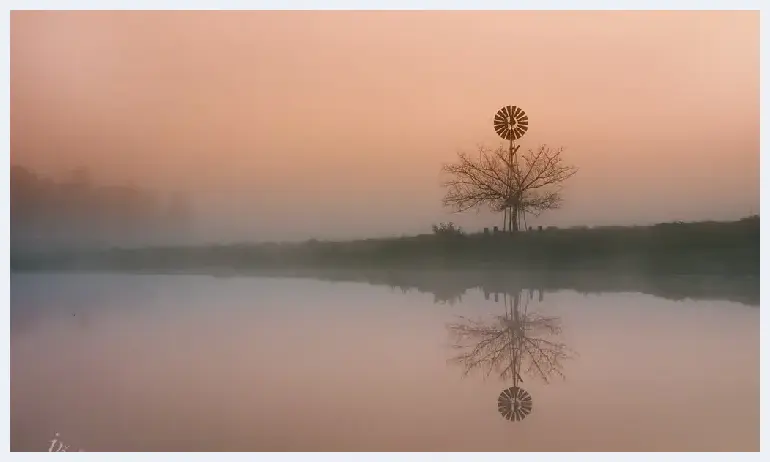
[(120, 362)]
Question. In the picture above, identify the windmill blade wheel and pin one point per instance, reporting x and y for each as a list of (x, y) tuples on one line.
[(514, 404), (511, 123)]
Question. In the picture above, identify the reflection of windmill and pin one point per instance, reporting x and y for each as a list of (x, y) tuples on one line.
[(515, 343), (511, 123)]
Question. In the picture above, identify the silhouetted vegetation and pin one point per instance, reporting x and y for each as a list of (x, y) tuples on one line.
[(75, 212), (720, 249), (505, 181), (447, 229)]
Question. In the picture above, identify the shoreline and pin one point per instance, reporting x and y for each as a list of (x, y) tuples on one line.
[(709, 248)]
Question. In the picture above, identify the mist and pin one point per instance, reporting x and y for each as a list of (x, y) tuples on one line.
[(334, 125), (384, 231)]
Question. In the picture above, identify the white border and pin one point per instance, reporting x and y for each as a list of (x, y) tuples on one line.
[(376, 5), (387, 5)]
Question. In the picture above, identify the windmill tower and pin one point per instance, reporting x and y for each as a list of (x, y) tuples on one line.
[(511, 123)]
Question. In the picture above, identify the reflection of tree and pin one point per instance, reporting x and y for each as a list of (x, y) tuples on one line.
[(516, 342)]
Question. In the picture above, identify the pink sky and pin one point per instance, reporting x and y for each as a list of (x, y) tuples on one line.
[(290, 125)]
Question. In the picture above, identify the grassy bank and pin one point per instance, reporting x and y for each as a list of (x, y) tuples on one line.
[(713, 248)]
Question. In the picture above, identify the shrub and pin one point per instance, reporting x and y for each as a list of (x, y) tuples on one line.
[(447, 229)]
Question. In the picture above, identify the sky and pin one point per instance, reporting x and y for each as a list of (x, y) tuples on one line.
[(335, 125)]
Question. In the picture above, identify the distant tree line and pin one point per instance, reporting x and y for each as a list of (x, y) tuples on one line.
[(77, 212)]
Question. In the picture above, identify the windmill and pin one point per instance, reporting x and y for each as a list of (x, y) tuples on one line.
[(515, 403), (511, 123), (514, 344)]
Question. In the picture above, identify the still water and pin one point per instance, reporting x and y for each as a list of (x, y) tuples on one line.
[(199, 363)]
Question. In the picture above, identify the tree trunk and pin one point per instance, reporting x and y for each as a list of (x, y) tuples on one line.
[(505, 218), (514, 219)]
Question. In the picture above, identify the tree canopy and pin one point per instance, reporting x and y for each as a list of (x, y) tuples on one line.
[(505, 181)]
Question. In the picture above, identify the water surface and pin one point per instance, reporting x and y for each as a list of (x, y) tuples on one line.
[(199, 363)]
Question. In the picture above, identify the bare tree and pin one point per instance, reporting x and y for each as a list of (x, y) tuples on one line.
[(511, 344), (507, 182)]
